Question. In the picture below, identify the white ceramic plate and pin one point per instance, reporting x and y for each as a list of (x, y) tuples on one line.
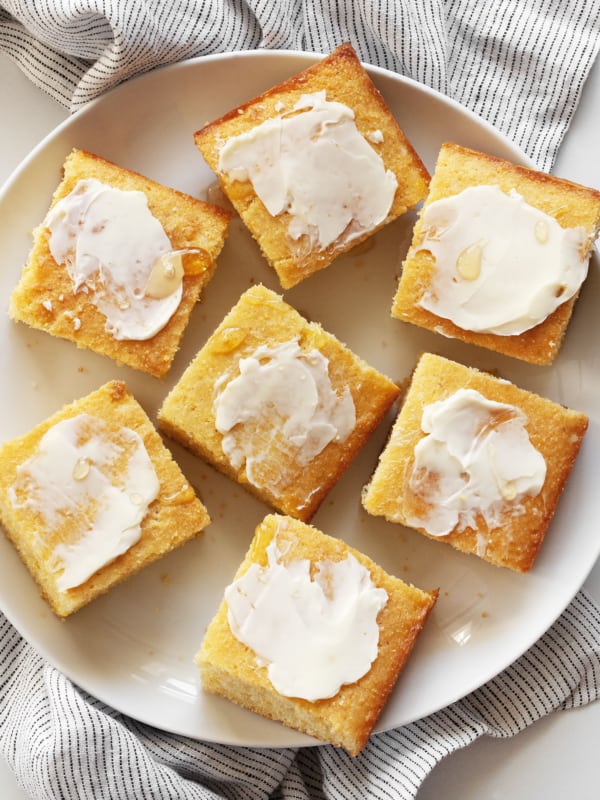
[(134, 647)]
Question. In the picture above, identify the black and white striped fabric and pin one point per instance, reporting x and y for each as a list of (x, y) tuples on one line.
[(521, 66), (63, 743)]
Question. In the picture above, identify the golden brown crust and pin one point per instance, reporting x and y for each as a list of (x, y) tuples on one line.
[(188, 222), (173, 518), (344, 79), (261, 317), (569, 203), (228, 667), (557, 432)]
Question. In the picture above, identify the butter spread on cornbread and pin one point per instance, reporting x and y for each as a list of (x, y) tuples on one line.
[(234, 670), (314, 633), (90, 486), (286, 387), (476, 459), (117, 252), (502, 266), (286, 158)]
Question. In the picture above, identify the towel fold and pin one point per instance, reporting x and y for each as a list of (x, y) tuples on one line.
[(62, 743), (521, 66)]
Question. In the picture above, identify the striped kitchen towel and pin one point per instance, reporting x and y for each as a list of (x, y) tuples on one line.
[(520, 65), (62, 743)]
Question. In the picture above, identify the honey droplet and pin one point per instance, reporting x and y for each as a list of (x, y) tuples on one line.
[(541, 231), (217, 197), (81, 469), (227, 340), (165, 277), (180, 497), (468, 263)]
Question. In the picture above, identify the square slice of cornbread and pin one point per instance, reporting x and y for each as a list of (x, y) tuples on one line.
[(323, 183), (47, 297), (74, 480), (571, 205), (506, 527), (244, 674), (276, 403)]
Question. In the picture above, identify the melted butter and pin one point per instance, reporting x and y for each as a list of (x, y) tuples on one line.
[(314, 165), (110, 244), (476, 460), (314, 635), (91, 488), (281, 409), (499, 262)]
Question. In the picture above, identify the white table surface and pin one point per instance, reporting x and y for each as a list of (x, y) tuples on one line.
[(558, 756)]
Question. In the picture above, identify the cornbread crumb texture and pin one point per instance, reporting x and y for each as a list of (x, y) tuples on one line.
[(457, 169), (230, 668), (174, 517), (553, 430), (262, 319), (343, 79), (45, 297)]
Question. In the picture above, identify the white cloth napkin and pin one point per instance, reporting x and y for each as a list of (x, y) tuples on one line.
[(62, 743), (521, 66)]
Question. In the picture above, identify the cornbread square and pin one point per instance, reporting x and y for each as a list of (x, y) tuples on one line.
[(264, 459), (46, 298), (570, 204), (172, 518), (232, 669), (554, 431), (343, 80)]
